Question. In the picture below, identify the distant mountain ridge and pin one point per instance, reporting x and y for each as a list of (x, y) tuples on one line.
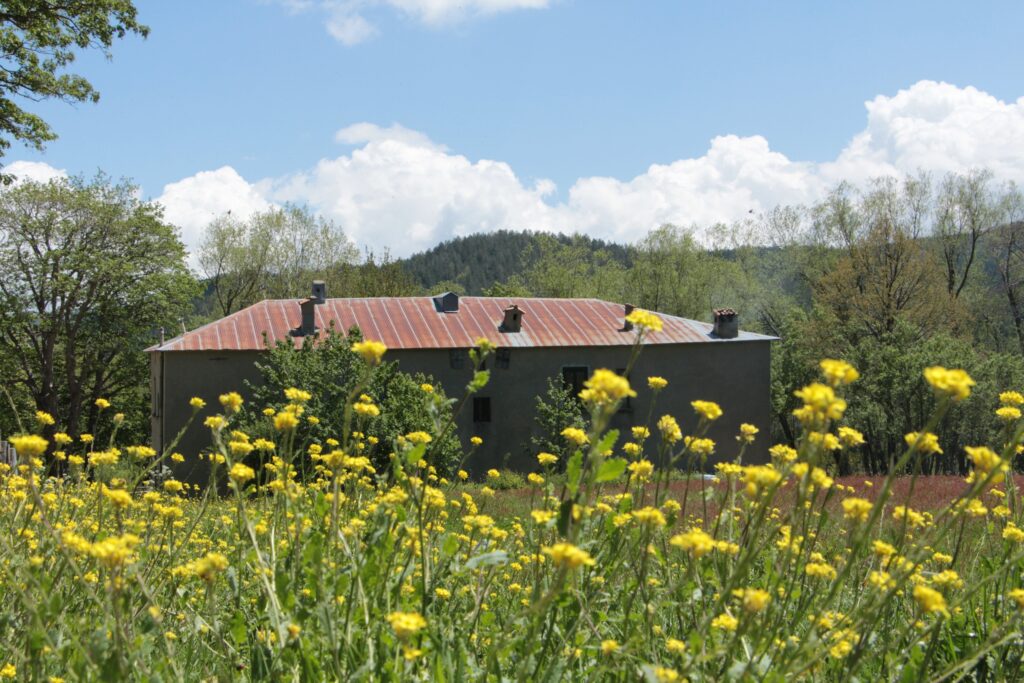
[(476, 262)]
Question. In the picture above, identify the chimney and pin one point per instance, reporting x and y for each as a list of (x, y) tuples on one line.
[(308, 307), (626, 325), (727, 323), (319, 294), (513, 321), (446, 302)]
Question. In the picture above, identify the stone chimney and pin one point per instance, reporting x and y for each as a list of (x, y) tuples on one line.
[(626, 325), (513, 321), (308, 307), (727, 323)]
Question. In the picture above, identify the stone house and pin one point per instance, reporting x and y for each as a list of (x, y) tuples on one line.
[(536, 339)]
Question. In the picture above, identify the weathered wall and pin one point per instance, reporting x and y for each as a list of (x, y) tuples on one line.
[(734, 374)]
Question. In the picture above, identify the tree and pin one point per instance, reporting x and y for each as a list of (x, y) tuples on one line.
[(1008, 251), (38, 41), (271, 255), (968, 208), (330, 371), (88, 273)]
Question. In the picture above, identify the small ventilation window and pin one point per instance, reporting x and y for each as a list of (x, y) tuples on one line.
[(457, 358), (481, 409), (502, 358), (573, 377)]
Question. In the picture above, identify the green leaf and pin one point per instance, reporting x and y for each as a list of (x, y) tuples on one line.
[(572, 471), (415, 454), (487, 559), (608, 441), (611, 469)]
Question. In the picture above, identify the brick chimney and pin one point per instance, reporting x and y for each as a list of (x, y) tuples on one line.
[(727, 323), (513, 321)]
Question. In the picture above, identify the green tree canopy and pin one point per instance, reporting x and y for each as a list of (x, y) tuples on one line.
[(88, 275), (38, 41)]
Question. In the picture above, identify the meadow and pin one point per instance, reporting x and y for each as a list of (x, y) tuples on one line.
[(613, 562)]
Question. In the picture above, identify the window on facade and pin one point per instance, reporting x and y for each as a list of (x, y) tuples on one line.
[(457, 358), (481, 409), (573, 377), (502, 358)]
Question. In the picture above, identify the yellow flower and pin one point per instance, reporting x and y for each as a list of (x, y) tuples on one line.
[(546, 459), (857, 508), (650, 516), (442, 593), (9, 671), (930, 600), (197, 403), (535, 479), (701, 446), (463, 475), (609, 647), (657, 383), (747, 433), (953, 383), (493, 474), (232, 401), (297, 395), (783, 453), (676, 647), (669, 428), (948, 579), (725, 622), (475, 440), (754, 599), (1017, 595), (29, 445), (820, 570), (923, 442), (1008, 413), (370, 351), (44, 419), (758, 477), (605, 388), (986, 460), (120, 498), (849, 437), (102, 403), (215, 422), (419, 437), (709, 410), (568, 556), (696, 542), (665, 675), (240, 473), (641, 469), (575, 435), (406, 624), (820, 405), (285, 421), (837, 372), (645, 320), (1011, 398)]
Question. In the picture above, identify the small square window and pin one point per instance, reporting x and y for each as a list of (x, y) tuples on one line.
[(457, 358), (573, 377), (481, 409), (502, 358)]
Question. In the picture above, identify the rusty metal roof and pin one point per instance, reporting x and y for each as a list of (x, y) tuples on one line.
[(416, 323)]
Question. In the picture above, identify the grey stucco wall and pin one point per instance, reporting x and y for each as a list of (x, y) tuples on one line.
[(734, 374)]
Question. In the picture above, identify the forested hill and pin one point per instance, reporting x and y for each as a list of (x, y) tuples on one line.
[(476, 262)]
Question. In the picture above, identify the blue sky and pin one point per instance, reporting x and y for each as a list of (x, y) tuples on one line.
[(536, 112)]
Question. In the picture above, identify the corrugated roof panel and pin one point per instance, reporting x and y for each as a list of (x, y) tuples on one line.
[(415, 323)]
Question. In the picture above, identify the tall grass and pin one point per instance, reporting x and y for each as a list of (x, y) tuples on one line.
[(617, 572)]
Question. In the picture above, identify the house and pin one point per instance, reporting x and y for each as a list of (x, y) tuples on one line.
[(536, 338)]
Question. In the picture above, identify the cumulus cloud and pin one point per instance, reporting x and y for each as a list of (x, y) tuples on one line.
[(400, 190), (38, 171), (346, 20), (191, 203)]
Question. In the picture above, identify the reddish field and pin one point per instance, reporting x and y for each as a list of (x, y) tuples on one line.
[(929, 493)]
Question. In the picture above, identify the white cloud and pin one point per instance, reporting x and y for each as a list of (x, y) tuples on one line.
[(397, 189), (346, 20), (193, 202), (38, 171), (361, 133)]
